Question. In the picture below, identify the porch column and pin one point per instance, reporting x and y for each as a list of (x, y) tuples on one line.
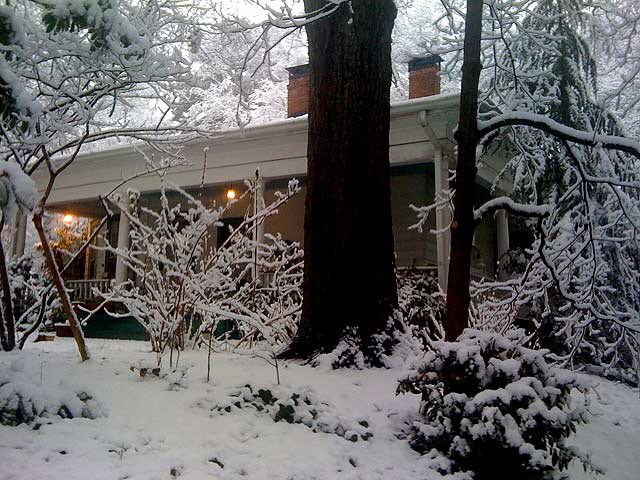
[(123, 244), (258, 232), (502, 241), (443, 217), (87, 252), (100, 256), (19, 235)]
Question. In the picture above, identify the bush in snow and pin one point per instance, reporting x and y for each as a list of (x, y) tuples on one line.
[(24, 401), (28, 279), (422, 304), (414, 326), (493, 407), (185, 288), (294, 407)]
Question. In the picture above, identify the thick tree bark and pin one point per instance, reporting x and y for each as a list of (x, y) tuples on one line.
[(349, 278), (463, 225)]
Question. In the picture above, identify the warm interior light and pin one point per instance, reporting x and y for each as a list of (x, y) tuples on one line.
[(231, 194), (68, 218)]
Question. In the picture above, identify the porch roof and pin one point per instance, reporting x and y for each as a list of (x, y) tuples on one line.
[(278, 148)]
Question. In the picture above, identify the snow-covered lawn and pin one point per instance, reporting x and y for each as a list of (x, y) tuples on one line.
[(165, 428)]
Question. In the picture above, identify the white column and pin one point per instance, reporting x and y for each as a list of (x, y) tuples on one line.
[(19, 235), (87, 252), (258, 206), (443, 217), (502, 241), (100, 257), (123, 244)]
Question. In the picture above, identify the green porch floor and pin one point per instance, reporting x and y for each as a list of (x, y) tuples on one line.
[(102, 325)]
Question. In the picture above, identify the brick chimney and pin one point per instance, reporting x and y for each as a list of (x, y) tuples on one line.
[(424, 76), (298, 100)]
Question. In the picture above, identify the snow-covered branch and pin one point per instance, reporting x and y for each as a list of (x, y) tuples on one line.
[(558, 130), (514, 208), (185, 288)]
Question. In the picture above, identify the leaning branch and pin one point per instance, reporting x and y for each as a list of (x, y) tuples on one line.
[(514, 208), (558, 130)]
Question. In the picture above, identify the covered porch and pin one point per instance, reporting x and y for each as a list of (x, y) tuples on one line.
[(422, 154)]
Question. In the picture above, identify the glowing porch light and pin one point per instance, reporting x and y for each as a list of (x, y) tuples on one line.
[(68, 218), (231, 194)]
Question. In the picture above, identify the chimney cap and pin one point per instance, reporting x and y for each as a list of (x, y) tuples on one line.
[(418, 63), (298, 71)]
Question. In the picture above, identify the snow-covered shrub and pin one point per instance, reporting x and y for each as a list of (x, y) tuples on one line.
[(28, 279), (387, 349), (302, 407), (493, 407), (277, 296), (22, 400), (422, 304), (413, 326), (184, 287)]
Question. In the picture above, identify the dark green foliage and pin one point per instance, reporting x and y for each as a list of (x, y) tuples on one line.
[(83, 19), (25, 278), (494, 409), (590, 240), (31, 405), (421, 304), (294, 408)]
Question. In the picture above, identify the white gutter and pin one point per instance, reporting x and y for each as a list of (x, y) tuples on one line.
[(283, 127)]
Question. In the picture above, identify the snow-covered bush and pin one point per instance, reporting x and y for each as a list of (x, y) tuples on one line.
[(301, 407), (421, 304), (493, 407), (22, 400), (414, 326), (388, 349), (28, 281), (184, 287)]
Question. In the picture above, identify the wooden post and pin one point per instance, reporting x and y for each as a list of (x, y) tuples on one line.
[(50, 261)]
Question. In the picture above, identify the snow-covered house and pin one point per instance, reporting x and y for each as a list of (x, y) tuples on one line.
[(421, 152)]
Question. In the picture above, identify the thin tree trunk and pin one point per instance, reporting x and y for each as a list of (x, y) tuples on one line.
[(349, 265), (7, 324), (463, 225), (52, 266)]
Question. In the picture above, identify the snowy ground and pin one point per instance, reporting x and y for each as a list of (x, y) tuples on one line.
[(155, 431)]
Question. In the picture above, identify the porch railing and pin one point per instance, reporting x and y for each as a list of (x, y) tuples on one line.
[(83, 290)]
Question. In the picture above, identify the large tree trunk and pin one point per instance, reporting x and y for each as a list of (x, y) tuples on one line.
[(349, 278), (463, 225)]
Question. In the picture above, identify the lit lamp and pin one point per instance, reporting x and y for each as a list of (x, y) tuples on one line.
[(68, 218), (231, 194)]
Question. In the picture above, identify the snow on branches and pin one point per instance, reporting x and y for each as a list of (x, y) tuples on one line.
[(17, 190), (185, 289), (573, 178), (70, 71)]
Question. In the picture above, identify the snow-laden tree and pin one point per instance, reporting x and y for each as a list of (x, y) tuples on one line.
[(588, 250), (69, 71), (615, 34), (17, 193), (529, 92)]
